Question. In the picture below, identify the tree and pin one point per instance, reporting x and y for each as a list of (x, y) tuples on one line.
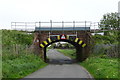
[(110, 21), (59, 45)]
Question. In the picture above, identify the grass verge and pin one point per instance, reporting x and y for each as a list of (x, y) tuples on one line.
[(21, 66), (17, 60), (68, 52), (99, 67)]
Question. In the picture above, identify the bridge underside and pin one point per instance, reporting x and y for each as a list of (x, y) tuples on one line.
[(81, 41)]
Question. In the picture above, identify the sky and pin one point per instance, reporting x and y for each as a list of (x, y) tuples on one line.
[(55, 10)]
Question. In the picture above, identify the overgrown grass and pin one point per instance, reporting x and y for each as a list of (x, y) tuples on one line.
[(101, 67), (17, 60), (22, 66), (68, 52)]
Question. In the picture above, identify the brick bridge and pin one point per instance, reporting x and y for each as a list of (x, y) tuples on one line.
[(76, 33), (79, 37)]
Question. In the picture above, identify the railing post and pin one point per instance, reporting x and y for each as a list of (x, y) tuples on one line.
[(25, 26), (51, 25), (73, 26), (85, 25), (62, 27), (15, 25), (39, 27)]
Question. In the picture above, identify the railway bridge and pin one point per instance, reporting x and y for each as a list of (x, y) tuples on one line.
[(76, 33)]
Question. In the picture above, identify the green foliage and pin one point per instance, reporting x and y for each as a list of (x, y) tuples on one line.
[(101, 67), (60, 45), (17, 60), (21, 66), (10, 37), (68, 52), (100, 64), (52, 46), (109, 20), (107, 44), (111, 38), (0, 54)]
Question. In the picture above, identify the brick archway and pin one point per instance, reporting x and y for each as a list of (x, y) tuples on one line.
[(77, 46), (82, 43)]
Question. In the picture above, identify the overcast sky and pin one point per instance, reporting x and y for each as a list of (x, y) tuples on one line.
[(56, 10)]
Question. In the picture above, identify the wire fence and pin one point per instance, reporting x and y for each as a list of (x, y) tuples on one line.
[(111, 50)]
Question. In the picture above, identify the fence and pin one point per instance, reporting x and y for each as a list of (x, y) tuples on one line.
[(107, 49), (30, 26)]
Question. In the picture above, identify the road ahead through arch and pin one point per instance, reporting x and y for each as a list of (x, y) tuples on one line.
[(64, 70)]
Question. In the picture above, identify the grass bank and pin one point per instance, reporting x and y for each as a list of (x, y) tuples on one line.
[(99, 67), (17, 60)]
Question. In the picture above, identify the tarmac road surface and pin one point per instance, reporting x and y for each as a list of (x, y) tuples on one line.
[(61, 67)]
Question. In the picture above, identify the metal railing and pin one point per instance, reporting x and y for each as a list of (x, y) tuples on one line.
[(30, 26)]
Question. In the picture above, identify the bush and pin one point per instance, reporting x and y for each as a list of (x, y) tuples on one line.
[(107, 44), (10, 37), (106, 49)]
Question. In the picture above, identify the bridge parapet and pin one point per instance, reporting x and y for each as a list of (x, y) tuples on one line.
[(45, 26), (62, 29)]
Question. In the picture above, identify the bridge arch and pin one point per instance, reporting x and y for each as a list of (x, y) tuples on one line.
[(76, 42), (70, 42)]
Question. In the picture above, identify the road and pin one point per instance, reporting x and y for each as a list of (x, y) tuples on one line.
[(61, 67), (56, 57)]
